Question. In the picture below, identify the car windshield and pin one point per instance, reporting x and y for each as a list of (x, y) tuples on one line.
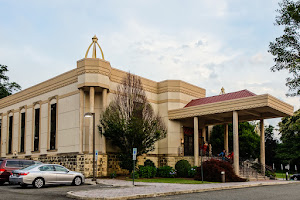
[(30, 167)]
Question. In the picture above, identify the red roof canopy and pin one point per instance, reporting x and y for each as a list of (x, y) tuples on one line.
[(219, 98)]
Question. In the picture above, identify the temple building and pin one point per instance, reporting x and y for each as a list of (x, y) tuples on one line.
[(46, 122)]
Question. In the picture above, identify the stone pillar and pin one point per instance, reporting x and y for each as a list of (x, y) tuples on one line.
[(81, 119), (196, 142), (226, 138), (235, 124), (262, 147), (104, 100), (204, 134), (92, 101), (209, 133)]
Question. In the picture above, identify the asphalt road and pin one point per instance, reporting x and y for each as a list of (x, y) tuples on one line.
[(276, 192), (58, 192)]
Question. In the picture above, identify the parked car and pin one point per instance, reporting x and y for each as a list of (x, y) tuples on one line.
[(295, 177), (8, 165), (44, 174)]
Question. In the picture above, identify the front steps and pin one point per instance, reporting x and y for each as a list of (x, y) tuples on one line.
[(251, 174)]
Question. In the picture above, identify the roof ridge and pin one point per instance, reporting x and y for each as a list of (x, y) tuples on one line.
[(222, 97)]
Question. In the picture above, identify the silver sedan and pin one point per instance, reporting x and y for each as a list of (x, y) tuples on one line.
[(44, 174)]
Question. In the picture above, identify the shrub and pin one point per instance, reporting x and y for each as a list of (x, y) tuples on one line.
[(270, 174), (212, 172), (149, 163), (147, 171), (182, 168), (166, 172), (113, 174), (136, 175), (192, 172)]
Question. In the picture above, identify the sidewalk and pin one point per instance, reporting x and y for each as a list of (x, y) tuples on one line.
[(121, 189)]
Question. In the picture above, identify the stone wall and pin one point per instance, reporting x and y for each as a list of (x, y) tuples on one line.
[(75, 162), (106, 163)]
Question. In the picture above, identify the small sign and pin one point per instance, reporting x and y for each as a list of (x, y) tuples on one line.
[(134, 153), (96, 155), (287, 167)]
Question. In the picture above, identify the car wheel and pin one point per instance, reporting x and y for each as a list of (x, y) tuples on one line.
[(77, 181), (295, 179), (1, 182), (38, 183), (23, 185)]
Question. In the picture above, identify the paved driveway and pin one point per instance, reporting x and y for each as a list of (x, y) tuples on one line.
[(15, 192), (274, 192)]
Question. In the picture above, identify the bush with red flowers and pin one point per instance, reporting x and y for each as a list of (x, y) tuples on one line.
[(212, 172)]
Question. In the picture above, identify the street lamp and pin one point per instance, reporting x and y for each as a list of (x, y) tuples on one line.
[(91, 114)]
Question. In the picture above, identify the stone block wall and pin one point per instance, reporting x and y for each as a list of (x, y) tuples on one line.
[(75, 162), (106, 163), (113, 165)]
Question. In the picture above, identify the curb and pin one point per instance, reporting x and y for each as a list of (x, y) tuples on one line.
[(74, 196)]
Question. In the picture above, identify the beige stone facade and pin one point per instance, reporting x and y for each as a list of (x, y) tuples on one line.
[(55, 130)]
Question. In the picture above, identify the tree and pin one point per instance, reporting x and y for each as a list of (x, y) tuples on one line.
[(6, 88), (289, 150), (249, 141), (286, 48), (270, 145), (130, 122)]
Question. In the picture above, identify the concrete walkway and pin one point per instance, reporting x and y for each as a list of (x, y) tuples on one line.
[(121, 189)]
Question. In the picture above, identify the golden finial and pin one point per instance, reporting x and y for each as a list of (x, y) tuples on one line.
[(94, 41), (222, 91)]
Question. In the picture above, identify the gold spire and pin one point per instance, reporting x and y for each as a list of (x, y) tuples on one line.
[(222, 91), (94, 55)]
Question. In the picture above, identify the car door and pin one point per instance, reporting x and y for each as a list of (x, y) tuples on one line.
[(63, 175), (48, 173)]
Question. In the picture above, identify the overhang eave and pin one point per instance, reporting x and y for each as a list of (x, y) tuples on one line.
[(249, 109)]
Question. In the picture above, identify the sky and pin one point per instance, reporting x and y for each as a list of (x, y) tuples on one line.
[(212, 44)]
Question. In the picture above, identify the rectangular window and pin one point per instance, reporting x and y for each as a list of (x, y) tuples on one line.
[(36, 129), (189, 141), (10, 129), (53, 127), (22, 145), (26, 163), (13, 163)]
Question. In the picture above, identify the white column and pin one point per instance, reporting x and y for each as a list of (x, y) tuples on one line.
[(204, 134), (235, 124), (92, 101), (226, 138), (81, 119), (262, 147), (104, 100), (209, 133), (196, 142)]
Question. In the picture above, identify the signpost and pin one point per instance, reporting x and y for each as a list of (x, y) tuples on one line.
[(95, 161), (96, 155), (134, 152)]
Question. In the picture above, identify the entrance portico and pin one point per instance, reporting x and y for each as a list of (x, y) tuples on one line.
[(232, 108)]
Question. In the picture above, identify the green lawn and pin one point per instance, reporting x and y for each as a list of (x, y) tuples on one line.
[(281, 175), (169, 180)]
